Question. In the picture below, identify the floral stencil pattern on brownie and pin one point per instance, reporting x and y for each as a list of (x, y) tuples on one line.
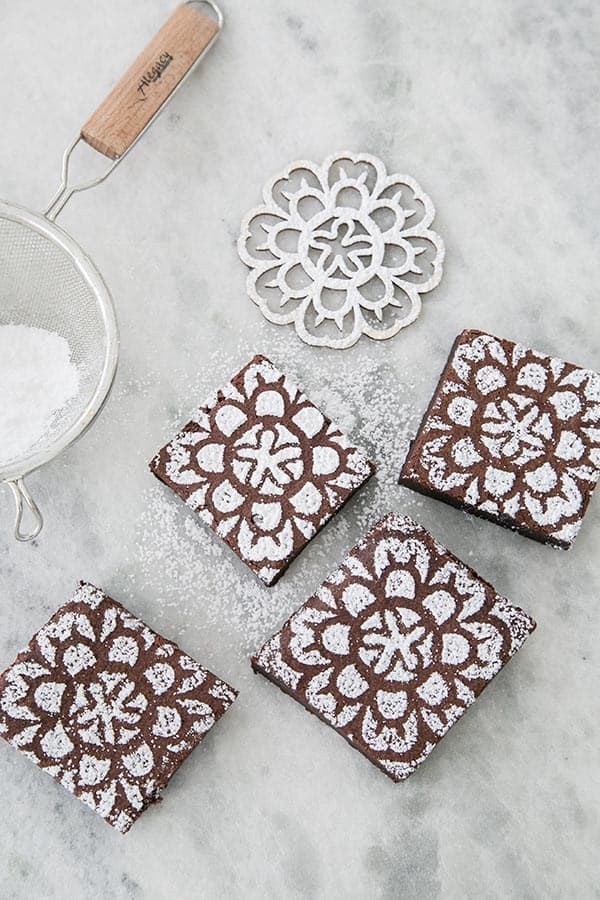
[(263, 467), (514, 435), (342, 244), (395, 645), (106, 706)]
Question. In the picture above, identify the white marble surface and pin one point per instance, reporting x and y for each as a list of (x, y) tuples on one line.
[(494, 108)]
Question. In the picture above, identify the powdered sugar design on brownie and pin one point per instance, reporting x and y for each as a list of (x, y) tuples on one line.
[(106, 706), (513, 434), (396, 645), (263, 467)]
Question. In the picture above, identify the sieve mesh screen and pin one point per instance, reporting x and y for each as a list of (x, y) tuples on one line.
[(41, 285)]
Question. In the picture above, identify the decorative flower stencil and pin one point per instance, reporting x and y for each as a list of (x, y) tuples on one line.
[(263, 467), (341, 249), (106, 706), (396, 645), (511, 435)]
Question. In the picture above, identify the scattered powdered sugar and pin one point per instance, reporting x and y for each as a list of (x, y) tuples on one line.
[(192, 575), (38, 379)]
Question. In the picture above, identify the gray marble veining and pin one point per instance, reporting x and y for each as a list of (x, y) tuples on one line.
[(494, 108)]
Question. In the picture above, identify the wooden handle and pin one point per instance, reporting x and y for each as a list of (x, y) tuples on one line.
[(146, 85)]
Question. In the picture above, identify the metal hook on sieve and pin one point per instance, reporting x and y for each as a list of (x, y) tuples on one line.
[(22, 496)]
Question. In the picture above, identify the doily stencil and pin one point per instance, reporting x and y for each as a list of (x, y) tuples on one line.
[(341, 249)]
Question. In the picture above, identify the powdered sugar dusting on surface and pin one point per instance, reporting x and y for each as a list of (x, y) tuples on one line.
[(369, 401)]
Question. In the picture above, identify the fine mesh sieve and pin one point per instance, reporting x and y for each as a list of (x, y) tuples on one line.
[(46, 279)]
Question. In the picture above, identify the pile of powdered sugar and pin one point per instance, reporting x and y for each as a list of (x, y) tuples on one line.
[(38, 379), (191, 574)]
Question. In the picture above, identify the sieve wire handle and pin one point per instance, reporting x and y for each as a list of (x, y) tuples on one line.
[(23, 498), (143, 92)]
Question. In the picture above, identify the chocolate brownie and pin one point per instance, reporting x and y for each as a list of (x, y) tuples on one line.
[(395, 646), (511, 435), (106, 706), (263, 467)]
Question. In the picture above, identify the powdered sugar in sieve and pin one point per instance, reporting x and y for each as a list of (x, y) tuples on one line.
[(39, 380)]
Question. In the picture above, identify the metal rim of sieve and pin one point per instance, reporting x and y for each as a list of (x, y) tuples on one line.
[(98, 289)]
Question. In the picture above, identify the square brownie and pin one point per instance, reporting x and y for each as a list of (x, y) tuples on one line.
[(511, 435), (395, 646), (106, 706), (263, 467)]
